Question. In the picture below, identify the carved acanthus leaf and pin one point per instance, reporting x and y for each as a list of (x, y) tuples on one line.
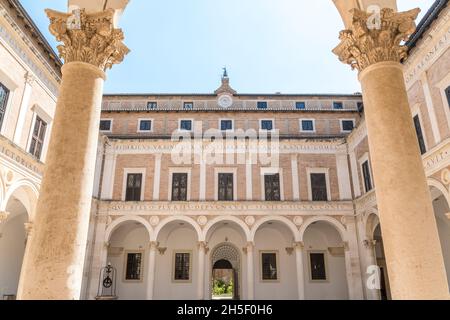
[(92, 39), (365, 44)]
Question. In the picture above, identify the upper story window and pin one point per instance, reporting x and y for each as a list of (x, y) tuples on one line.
[(37, 139), (226, 187), (106, 125), (261, 105), (179, 186), (134, 266), (186, 125), (420, 138), (360, 106), (319, 187), (272, 187), (300, 105), (307, 125), (145, 125), (152, 105), (269, 267), (188, 106), (4, 94), (226, 125), (134, 187), (367, 176), (337, 105), (267, 125), (347, 125)]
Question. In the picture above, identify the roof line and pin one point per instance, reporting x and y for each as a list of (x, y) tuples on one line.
[(236, 95)]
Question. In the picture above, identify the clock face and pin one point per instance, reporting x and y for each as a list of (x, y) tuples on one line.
[(225, 101)]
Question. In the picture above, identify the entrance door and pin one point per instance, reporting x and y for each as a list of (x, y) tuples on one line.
[(223, 281)]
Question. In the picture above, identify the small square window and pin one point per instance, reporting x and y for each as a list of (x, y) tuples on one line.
[(226, 125), (105, 125), (318, 266), (262, 105), (300, 105), (269, 266), (267, 125), (308, 125), (188, 105), (338, 105), (348, 125), (145, 125), (152, 105), (186, 125)]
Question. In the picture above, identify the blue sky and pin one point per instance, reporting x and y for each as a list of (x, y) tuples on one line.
[(268, 46)]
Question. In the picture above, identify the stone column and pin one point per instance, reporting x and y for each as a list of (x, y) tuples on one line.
[(54, 268), (29, 230), (151, 269), (29, 79), (413, 251), (300, 270), (371, 260), (250, 272), (201, 270)]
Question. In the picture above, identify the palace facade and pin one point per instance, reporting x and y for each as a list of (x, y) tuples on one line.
[(223, 195)]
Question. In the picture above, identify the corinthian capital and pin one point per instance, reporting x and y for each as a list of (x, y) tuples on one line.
[(89, 38), (376, 37)]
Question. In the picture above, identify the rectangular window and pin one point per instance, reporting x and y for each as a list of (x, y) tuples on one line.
[(319, 187), (307, 125), (134, 185), (420, 137), (182, 266), (347, 125), (262, 105), (179, 186), (4, 94), (226, 125), (134, 266), (226, 190), (267, 125), (367, 176), (360, 107), (152, 105), (37, 139), (186, 125), (272, 187), (301, 105), (338, 105), (269, 266), (188, 105), (317, 266), (105, 125), (145, 125), (447, 93)]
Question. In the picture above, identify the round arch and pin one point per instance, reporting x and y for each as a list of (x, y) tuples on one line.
[(116, 223), (288, 223), (32, 193), (438, 185), (217, 220), (339, 226), (168, 220)]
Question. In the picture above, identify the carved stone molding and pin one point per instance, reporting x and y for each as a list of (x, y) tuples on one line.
[(92, 39), (3, 216), (369, 244), (363, 44), (299, 245)]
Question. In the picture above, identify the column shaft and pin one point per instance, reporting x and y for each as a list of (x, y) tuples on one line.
[(201, 271), (410, 236), (151, 271), (250, 273), (300, 271), (57, 250)]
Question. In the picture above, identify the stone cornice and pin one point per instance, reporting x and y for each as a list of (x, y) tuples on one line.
[(89, 38), (366, 201), (223, 208), (364, 45), (437, 158)]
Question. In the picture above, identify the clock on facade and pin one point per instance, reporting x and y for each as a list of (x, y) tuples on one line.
[(225, 101)]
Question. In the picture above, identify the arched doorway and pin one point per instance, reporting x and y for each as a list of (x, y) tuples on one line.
[(441, 208), (225, 280)]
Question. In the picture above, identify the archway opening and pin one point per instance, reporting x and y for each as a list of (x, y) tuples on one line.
[(442, 214), (128, 252), (223, 280), (225, 272), (385, 291), (13, 238)]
